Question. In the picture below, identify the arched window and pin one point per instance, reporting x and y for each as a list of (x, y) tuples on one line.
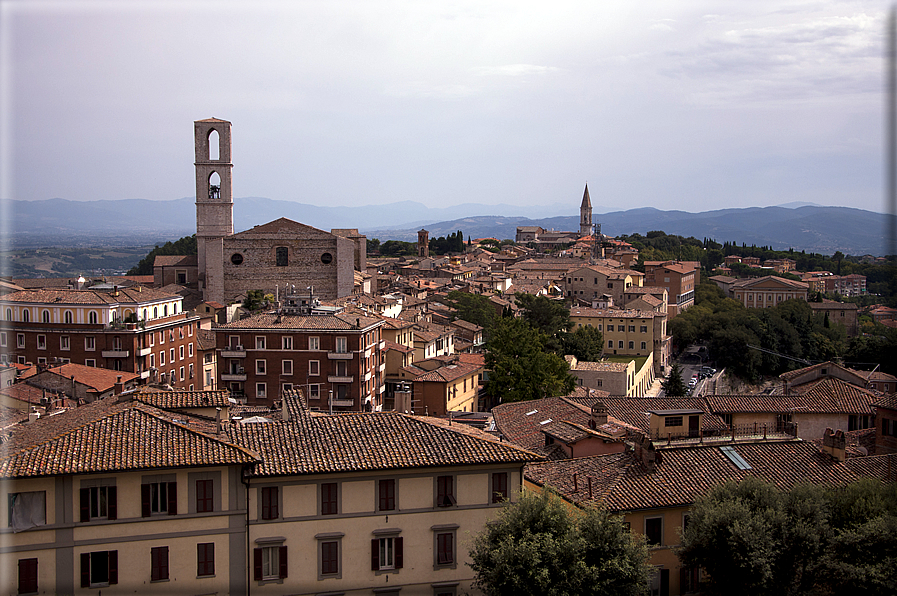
[(68, 317), (214, 145), (45, 316), (165, 311), (92, 318), (9, 314), (26, 316), (155, 312), (214, 186), (144, 314)]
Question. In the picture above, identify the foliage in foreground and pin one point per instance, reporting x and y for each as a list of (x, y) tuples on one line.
[(752, 538), (674, 386), (182, 246), (541, 546)]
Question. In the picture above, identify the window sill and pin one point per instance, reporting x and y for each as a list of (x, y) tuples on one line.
[(445, 566), (160, 581), (205, 576)]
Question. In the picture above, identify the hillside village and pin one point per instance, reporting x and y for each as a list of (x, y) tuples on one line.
[(250, 417)]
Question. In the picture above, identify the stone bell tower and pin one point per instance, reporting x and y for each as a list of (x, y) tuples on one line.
[(214, 203), (585, 214)]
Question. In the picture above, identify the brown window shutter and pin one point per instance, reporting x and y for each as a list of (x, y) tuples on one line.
[(375, 554), (85, 570), (172, 498), (257, 563), (112, 502), (282, 555), (113, 567), (399, 553), (145, 500), (85, 504)]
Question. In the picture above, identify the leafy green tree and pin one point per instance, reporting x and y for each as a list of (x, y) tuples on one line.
[(541, 546), (674, 386), (182, 246), (257, 300), (519, 366), (473, 308), (548, 316), (585, 343), (753, 538)]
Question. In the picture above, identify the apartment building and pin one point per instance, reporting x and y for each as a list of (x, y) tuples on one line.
[(594, 281), (678, 278), (139, 330), (335, 355), (629, 332)]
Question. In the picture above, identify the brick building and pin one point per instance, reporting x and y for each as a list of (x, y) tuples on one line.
[(679, 279), (318, 349), (138, 330)]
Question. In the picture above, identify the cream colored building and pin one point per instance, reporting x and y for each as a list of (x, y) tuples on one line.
[(629, 332), (588, 283), (763, 292), (617, 378)]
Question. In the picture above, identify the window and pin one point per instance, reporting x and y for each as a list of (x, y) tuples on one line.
[(205, 559), (99, 568), (45, 316), (162, 358), (387, 553), (499, 487), (329, 498), (205, 495), (90, 343), (27, 576), (445, 491), (190, 370), (632, 329), (158, 498), (329, 558), (287, 342), (171, 356), (180, 352), (654, 531), (20, 340), (270, 502), (26, 316), (159, 563), (287, 366), (27, 510), (314, 368), (260, 342), (260, 367), (90, 362), (2, 339), (444, 545), (314, 391), (161, 337), (341, 346), (631, 345), (314, 343), (672, 421), (644, 346), (98, 502), (644, 329), (387, 490), (261, 390), (270, 563), (610, 343), (282, 258), (181, 373), (41, 342)]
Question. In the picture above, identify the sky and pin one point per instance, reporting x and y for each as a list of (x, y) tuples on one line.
[(694, 105)]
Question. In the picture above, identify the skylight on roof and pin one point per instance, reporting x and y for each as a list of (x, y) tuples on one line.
[(531, 413), (545, 421), (735, 458)]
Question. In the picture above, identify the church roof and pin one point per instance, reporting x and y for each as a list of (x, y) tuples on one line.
[(281, 225)]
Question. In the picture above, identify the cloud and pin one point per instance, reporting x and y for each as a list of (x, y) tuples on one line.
[(514, 70)]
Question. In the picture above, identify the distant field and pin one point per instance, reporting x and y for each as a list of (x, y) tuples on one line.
[(71, 261)]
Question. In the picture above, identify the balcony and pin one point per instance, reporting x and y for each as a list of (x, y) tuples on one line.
[(233, 376), (340, 355), (233, 352), (144, 351), (382, 367), (382, 345), (145, 374), (116, 353), (335, 379), (367, 377), (344, 403), (367, 353)]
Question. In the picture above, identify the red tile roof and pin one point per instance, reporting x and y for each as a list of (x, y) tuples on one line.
[(99, 379)]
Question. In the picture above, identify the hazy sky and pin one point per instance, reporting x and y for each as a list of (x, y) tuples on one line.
[(691, 105)]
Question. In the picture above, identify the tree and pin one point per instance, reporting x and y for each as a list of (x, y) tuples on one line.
[(183, 246), (585, 343), (753, 538), (546, 315), (473, 308), (257, 300), (519, 367), (838, 257), (673, 386), (542, 546)]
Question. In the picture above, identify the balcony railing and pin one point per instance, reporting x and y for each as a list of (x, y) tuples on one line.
[(344, 403), (116, 353), (338, 379), (340, 355), (144, 351), (233, 376), (233, 352)]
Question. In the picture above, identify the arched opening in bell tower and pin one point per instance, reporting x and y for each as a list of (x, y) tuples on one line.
[(214, 186), (214, 145)]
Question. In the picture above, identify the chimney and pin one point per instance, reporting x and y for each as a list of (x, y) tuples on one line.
[(598, 415), (119, 387), (33, 415), (835, 444)]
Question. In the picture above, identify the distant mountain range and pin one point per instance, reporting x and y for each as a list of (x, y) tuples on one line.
[(812, 228)]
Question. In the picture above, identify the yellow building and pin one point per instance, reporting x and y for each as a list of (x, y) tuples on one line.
[(628, 332)]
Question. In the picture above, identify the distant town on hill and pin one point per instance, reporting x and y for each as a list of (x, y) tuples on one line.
[(813, 228)]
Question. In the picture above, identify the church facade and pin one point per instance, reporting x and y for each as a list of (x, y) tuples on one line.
[(267, 257)]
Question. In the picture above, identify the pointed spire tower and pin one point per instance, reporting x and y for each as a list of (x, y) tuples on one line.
[(585, 214)]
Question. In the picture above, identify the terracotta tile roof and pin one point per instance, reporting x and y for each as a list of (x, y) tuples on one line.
[(368, 441), (825, 396), (75, 297), (889, 402), (174, 399), (612, 313), (24, 393), (99, 379), (751, 282), (391, 345), (343, 321), (175, 260), (10, 417), (465, 325), (447, 374), (205, 339), (684, 474), (110, 437), (634, 411), (599, 366)]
